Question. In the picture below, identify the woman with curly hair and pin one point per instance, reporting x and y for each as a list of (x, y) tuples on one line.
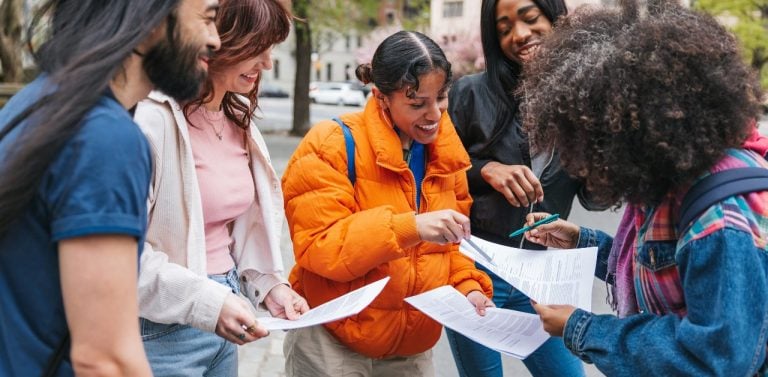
[(508, 180), (641, 108)]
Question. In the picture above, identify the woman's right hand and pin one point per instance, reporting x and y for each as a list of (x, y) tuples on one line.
[(237, 323), (443, 226), (517, 183), (559, 233)]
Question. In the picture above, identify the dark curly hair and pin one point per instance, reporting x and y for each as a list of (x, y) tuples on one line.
[(638, 105)]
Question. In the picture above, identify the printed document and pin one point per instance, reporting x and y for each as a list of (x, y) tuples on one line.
[(510, 332), (555, 276), (349, 304)]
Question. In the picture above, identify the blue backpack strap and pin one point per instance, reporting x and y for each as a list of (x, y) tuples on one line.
[(349, 141), (717, 187)]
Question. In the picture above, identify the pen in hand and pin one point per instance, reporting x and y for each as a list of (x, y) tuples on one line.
[(480, 251), (543, 221)]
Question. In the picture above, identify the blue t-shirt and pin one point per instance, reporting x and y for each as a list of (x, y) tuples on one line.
[(98, 184)]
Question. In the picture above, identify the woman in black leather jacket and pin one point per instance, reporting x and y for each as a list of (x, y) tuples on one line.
[(507, 179)]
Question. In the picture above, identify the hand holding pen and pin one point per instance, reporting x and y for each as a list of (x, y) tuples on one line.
[(557, 233)]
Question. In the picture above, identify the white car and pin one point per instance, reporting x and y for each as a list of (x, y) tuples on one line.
[(336, 93)]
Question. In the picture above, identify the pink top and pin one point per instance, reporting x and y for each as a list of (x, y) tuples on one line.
[(225, 179)]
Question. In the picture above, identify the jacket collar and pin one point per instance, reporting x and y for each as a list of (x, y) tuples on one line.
[(446, 155)]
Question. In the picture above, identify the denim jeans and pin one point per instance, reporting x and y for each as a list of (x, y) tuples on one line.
[(475, 360), (182, 350)]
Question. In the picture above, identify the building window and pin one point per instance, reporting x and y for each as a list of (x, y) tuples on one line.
[(317, 74), (347, 69), (359, 41), (453, 9), (276, 69), (390, 17), (328, 71), (347, 42)]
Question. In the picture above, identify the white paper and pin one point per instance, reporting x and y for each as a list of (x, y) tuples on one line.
[(511, 332), (555, 276), (341, 307)]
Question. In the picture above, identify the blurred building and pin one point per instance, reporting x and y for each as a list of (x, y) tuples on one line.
[(333, 57)]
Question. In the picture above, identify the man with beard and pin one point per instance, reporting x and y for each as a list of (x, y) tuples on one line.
[(74, 178)]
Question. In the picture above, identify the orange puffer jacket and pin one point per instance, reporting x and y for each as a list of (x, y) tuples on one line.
[(347, 237)]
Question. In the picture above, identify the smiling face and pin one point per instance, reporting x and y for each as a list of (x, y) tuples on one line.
[(417, 116), (178, 63), (520, 26), (243, 76)]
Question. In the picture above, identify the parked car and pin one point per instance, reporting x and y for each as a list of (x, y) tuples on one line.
[(271, 90), (338, 93), (359, 86)]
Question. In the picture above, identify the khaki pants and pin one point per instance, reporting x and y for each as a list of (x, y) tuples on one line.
[(313, 352)]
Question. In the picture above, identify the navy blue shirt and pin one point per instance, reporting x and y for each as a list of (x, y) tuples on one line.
[(98, 184)]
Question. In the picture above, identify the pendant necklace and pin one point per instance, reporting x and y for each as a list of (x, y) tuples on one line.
[(217, 132), (207, 115)]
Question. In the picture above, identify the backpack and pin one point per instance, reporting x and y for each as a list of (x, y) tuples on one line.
[(349, 142), (717, 187)]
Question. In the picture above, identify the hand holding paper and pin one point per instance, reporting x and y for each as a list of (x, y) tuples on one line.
[(514, 333), (554, 317), (338, 308)]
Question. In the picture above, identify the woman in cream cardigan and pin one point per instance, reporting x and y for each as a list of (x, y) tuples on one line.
[(216, 209)]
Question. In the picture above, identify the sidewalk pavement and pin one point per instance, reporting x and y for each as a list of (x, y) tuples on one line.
[(263, 358)]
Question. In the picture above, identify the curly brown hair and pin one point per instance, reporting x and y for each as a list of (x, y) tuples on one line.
[(638, 105)]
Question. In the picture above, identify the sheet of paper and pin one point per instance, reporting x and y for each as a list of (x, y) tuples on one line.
[(511, 332), (338, 308), (555, 276)]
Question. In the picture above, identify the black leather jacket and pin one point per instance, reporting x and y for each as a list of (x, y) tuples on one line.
[(471, 106)]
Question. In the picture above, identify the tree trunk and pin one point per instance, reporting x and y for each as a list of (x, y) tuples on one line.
[(301, 123), (10, 40)]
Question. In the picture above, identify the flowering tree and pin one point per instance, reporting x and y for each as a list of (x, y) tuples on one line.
[(465, 52)]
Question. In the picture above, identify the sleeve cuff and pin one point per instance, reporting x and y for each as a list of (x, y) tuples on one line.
[(208, 306), (404, 226), (574, 332), (256, 286), (469, 285), (587, 237)]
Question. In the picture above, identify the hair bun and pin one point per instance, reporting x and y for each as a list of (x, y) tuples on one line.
[(364, 73)]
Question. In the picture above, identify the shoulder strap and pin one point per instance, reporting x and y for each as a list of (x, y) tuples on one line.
[(349, 141), (55, 361), (718, 186)]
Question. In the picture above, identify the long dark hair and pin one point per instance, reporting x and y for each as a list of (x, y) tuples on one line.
[(401, 59), (246, 28), (503, 73), (87, 44)]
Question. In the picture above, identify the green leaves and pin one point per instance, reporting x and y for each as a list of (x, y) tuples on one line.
[(748, 20)]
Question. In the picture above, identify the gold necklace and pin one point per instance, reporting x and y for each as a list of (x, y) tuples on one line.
[(218, 133), (212, 122)]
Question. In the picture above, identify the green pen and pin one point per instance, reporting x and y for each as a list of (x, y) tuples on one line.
[(543, 221)]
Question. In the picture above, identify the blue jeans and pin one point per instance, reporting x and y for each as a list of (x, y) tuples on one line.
[(182, 350), (474, 360)]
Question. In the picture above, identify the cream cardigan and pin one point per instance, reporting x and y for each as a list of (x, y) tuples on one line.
[(173, 285)]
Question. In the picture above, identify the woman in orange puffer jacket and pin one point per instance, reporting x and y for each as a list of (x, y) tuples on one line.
[(347, 234)]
